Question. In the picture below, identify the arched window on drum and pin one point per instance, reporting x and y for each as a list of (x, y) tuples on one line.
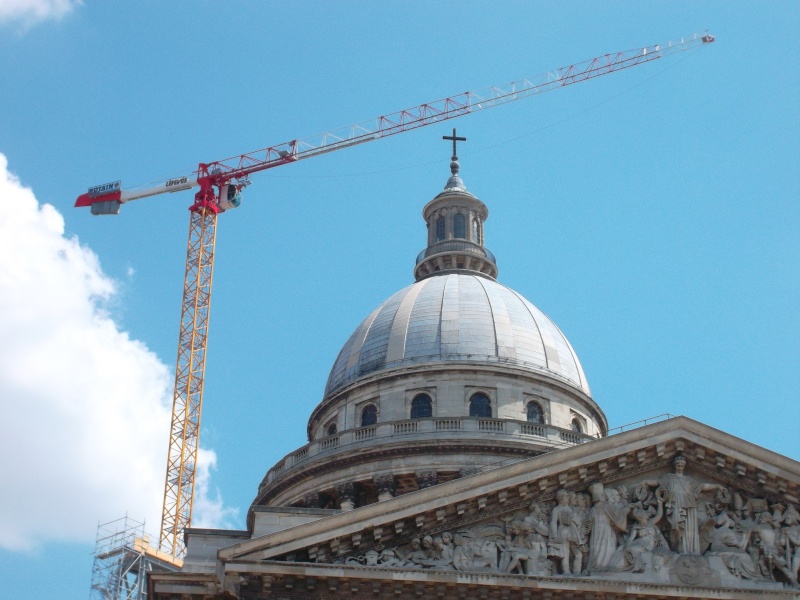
[(480, 406), (440, 228), (459, 226), (421, 407), (369, 415), (535, 413)]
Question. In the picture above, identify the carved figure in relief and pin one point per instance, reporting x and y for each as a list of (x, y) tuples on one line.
[(771, 558), (416, 554), (485, 554), (441, 555), (732, 547), (738, 507), (537, 526), (620, 498), (436, 548), (756, 538), (644, 497), (708, 530), (606, 520), (389, 558), (427, 547), (583, 520), (643, 541), (485, 540), (462, 553), (474, 554), (445, 551), (790, 538), (565, 536), (613, 498), (777, 514), (447, 546), (682, 496), (612, 495), (516, 550)]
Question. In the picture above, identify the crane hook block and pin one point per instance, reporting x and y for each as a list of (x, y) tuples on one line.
[(229, 196)]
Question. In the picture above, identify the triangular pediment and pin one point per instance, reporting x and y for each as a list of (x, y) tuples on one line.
[(515, 521)]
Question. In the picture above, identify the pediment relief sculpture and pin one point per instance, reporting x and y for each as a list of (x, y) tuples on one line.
[(668, 528)]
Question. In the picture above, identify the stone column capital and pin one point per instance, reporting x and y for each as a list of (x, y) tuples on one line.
[(347, 495), (385, 485)]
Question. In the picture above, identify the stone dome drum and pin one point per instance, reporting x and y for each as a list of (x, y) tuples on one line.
[(458, 317)]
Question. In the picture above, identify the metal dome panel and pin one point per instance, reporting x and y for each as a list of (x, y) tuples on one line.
[(456, 317)]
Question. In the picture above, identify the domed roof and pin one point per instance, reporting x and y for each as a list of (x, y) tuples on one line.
[(459, 317)]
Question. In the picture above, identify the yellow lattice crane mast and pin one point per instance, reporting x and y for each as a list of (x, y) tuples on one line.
[(184, 430), (221, 184)]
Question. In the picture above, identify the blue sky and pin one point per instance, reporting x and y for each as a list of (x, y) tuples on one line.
[(652, 214)]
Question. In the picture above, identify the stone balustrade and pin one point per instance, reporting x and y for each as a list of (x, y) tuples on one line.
[(351, 439)]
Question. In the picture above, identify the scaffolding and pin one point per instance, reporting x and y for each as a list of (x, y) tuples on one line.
[(122, 558)]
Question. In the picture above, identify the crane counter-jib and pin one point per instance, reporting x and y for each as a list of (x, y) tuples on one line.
[(111, 195)]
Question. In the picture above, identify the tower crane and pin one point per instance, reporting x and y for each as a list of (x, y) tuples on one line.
[(220, 186)]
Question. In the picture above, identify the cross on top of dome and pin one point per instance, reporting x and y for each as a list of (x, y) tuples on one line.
[(455, 181), (455, 139)]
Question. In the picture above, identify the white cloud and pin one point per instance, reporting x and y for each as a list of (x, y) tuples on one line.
[(209, 509), (85, 408), (32, 11)]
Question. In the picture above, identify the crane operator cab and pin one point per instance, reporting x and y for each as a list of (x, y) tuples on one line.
[(230, 196)]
